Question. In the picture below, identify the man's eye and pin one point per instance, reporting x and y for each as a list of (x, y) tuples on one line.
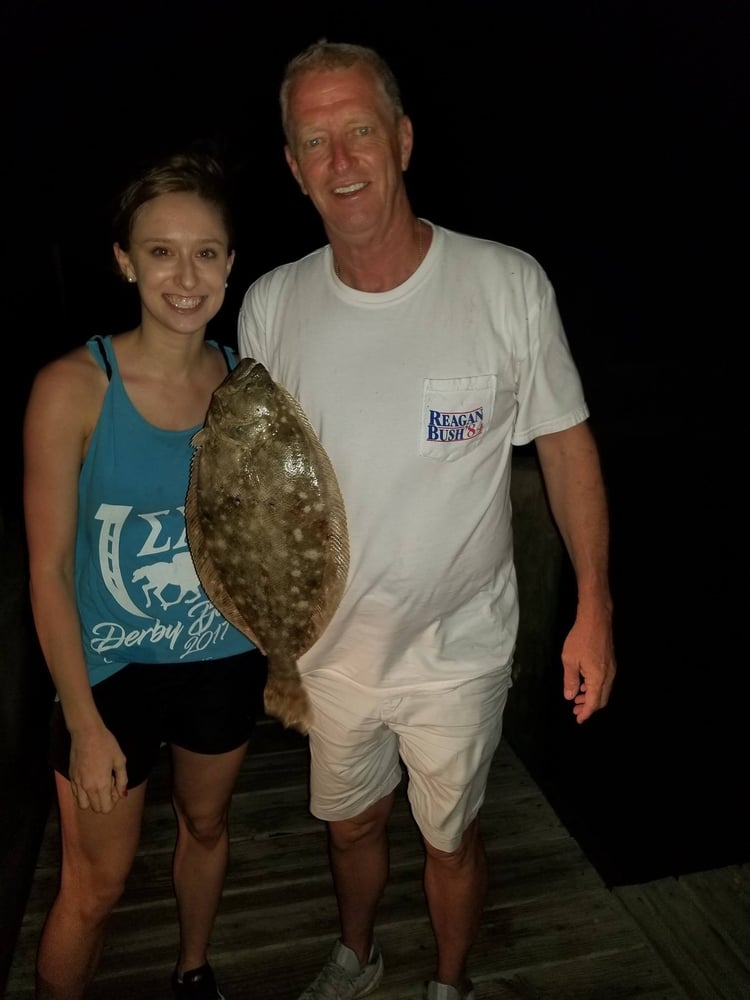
[(364, 130), (312, 143)]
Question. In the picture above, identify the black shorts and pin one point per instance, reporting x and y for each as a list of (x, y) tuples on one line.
[(208, 706)]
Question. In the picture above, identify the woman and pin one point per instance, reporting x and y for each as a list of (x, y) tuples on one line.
[(138, 655)]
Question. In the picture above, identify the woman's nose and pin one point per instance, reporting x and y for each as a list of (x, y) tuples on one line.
[(187, 274)]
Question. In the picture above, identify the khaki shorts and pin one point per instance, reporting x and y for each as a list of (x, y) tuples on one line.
[(446, 739)]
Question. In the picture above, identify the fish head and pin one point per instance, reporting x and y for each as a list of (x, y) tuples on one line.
[(245, 405)]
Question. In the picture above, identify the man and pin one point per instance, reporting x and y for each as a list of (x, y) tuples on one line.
[(420, 356)]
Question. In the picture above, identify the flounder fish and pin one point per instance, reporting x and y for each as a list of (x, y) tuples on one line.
[(267, 527)]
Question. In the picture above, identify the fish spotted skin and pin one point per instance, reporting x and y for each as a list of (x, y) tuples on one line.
[(267, 528)]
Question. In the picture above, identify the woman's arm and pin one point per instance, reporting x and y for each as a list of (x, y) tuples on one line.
[(63, 407)]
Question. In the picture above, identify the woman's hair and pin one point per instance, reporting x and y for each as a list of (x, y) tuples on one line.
[(196, 173), (325, 55)]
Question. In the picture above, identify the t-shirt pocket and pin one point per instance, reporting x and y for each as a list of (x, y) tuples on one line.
[(456, 413)]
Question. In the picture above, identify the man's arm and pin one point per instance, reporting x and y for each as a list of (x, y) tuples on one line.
[(575, 488)]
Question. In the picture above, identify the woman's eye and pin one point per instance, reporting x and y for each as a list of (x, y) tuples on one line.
[(207, 254), (160, 251)]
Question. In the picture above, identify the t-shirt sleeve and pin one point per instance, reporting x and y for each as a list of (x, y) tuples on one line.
[(549, 390), (250, 324)]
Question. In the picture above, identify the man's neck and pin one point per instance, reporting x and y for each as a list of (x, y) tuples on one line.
[(380, 269)]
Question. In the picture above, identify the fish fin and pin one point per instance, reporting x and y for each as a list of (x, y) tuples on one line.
[(338, 537), (204, 567)]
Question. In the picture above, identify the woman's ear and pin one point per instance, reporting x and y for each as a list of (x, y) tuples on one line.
[(123, 262)]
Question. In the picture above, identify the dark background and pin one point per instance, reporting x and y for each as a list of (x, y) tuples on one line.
[(606, 139)]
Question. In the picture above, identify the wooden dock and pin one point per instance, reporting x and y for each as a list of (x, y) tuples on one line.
[(552, 929)]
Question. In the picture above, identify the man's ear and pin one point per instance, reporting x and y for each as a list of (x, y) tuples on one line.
[(294, 167), (406, 138)]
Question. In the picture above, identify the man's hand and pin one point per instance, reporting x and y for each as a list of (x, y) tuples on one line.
[(589, 665)]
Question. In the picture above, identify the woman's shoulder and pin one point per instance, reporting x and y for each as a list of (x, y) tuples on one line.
[(75, 374), (228, 353)]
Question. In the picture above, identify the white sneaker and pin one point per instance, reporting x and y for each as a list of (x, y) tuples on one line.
[(343, 978), (439, 991)]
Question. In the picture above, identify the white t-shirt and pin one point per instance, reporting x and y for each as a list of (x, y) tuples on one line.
[(417, 395)]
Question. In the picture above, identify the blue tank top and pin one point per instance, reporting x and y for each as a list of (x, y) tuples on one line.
[(139, 598)]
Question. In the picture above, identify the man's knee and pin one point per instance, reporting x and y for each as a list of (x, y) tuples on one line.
[(369, 825), (468, 848)]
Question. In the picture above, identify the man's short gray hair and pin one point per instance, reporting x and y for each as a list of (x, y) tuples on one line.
[(325, 55)]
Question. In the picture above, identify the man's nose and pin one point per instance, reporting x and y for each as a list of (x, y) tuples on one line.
[(341, 156)]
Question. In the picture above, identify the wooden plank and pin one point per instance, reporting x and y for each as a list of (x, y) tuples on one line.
[(269, 827), (574, 938), (701, 960), (551, 927), (723, 897)]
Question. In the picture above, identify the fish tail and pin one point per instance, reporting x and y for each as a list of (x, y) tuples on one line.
[(285, 698)]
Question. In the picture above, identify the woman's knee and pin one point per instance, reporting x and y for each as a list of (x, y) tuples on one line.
[(92, 892), (206, 829)]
